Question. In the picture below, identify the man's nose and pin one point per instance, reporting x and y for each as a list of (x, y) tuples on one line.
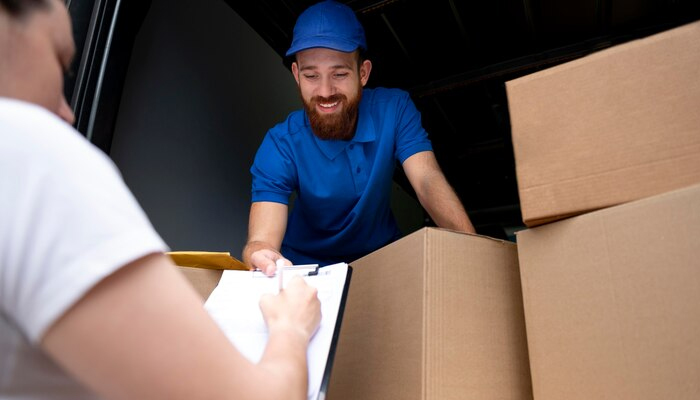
[(326, 88)]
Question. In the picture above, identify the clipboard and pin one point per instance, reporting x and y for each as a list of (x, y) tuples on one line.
[(323, 390), (233, 305)]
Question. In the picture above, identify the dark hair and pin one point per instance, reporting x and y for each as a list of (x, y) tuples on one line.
[(19, 8)]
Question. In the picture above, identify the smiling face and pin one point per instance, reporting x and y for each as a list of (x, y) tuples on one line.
[(330, 83), (36, 49)]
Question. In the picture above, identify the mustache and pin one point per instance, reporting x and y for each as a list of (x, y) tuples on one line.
[(330, 99)]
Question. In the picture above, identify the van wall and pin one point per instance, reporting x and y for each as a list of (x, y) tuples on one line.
[(201, 91)]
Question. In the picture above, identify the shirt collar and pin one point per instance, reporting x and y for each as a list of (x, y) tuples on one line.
[(365, 132)]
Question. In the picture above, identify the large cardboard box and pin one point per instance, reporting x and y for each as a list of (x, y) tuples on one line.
[(434, 315), (204, 280), (615, 126), (612, 301)]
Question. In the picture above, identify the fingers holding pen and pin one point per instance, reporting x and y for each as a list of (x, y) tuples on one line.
[(296, 308)]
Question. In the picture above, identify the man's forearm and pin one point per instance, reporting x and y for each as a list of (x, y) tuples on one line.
[(266, 227), (444, 207), (434, 192)]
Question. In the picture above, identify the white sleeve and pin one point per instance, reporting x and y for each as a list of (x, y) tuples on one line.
[(68, 220)]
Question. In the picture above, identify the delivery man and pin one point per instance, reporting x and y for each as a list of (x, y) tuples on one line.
[(339, 154)]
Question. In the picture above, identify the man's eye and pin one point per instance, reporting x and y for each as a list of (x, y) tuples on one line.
[(311, 76), (341, 75)]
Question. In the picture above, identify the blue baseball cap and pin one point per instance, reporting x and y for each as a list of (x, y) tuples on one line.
[(328, 24)]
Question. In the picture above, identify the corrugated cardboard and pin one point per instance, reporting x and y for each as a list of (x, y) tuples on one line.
[(434, 315), (612, 301), (204, 280), (616, 126)]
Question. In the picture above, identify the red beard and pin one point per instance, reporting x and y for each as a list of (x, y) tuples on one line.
[(337, 126)]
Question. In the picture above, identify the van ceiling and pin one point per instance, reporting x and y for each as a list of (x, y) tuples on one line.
[(454, 58)]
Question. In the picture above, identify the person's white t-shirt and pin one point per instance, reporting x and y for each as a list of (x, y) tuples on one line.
[(67, 220)]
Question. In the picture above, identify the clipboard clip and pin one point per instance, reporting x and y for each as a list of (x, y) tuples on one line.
[(313, 270)]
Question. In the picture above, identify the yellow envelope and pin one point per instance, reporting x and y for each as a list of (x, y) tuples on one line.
[(206, 259)]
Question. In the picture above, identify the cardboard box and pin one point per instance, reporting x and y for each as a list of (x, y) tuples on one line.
[(612, 301), (434, 315), (615, 126), (204, 280)]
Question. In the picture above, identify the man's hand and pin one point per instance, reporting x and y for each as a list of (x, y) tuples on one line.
[(266, 261), (296, 309)]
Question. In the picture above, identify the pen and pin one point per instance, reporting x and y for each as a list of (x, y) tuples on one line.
[(280, 267)]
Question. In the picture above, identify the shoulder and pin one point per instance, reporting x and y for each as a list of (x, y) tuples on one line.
[(42, 157), (295, 125), (283, 140), (68, 204), (386, 95), (384, 102), (286, 137), (35, 137)]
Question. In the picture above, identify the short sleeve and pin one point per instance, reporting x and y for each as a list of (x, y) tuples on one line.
[(68, 220), (411, 137), (273, 171)]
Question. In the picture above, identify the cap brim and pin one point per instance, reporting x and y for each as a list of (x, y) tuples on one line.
[(314, 42)]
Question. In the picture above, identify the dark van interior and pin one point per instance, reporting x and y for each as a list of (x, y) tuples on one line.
[(452, 56)]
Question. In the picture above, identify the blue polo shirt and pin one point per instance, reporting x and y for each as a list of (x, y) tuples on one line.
[(342, 208)]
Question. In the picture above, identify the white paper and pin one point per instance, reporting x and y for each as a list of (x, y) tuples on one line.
[(234, 305)]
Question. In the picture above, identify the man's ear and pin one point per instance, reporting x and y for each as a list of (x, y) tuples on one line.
[(365, 69), (295, 71)]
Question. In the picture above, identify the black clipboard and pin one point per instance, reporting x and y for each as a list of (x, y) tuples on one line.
[(334, 341)]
